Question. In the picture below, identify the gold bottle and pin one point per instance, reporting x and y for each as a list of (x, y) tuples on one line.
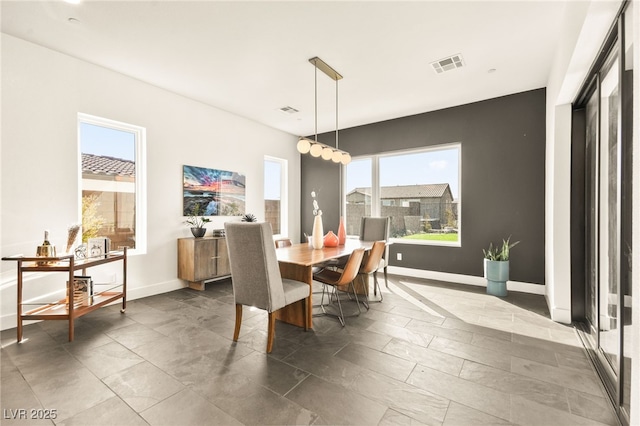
[(46, 249)]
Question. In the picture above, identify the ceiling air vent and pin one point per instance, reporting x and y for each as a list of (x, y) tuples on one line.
[(289, 110), (447, 64)]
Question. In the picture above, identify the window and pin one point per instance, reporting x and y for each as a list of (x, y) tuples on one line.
[(358, 185), (275, 194), (112, 186), (419, 190)]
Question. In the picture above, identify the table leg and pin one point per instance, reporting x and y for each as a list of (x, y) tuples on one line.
[(296, 313), (19, 306)]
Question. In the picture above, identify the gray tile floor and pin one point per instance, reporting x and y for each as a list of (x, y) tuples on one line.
[(430, 353)]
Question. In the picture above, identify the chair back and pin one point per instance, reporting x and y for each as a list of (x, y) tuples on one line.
[(351, 268), (255, 273), (372, 260), (283, 242), (376, 229)]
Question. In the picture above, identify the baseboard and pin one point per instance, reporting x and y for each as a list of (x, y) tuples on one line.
[(562, 316), (8, 321), (465, 279), (152, 290)]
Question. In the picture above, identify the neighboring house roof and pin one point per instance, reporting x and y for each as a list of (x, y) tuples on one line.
[(435, 190), (108, 166)]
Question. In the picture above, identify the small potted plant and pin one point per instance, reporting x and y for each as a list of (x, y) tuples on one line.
[(496, 267), (196, 222), (249, 218)]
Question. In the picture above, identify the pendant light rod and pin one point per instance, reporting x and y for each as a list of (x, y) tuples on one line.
[(336, 114), (325, 68), (315, 85)]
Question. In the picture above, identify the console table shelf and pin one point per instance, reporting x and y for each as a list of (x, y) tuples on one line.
[(62, 310)]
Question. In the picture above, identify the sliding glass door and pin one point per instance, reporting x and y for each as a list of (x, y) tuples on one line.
[(603, 213), (607, 109)]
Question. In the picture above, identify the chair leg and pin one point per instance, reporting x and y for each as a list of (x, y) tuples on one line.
[(271, 332), (376, 285), (317, 292), (307, 307), (322, 305), (341, 316), (335, 294), (375, 282), (236, 331), (364, 280), (386, 281), (356, 295), (324, 311)]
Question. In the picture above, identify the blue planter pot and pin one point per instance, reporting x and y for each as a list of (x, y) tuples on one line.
[(497, 274)]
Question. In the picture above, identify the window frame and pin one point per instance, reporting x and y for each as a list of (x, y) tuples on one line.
[(284, 193), (376, 202), (139, 133)]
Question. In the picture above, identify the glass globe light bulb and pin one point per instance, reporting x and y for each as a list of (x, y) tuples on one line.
[(303, 146), (316, 150), (327, 153)]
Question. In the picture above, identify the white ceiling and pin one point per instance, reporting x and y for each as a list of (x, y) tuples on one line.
[(251, 58)]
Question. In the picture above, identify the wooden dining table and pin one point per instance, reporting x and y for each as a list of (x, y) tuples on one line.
[(297, 262)]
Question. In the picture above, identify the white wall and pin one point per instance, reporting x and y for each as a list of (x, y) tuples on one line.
[(42, 92)]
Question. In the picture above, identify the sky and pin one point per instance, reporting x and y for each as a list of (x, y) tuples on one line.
[(272, 171), (104, 141)]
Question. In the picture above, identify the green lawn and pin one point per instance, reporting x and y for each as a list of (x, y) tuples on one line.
[(432, 237)]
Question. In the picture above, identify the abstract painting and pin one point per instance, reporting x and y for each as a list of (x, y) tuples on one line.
[(212, 192)]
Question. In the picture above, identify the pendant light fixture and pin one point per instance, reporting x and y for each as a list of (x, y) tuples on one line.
[(313, 147)]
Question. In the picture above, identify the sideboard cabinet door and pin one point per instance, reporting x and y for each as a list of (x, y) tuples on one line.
[(202, 259)]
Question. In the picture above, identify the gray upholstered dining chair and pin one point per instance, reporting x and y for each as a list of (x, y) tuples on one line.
[(377, 229), (283, 242), (255, 274), (341, 281)]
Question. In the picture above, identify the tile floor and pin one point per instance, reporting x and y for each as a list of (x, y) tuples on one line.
[(431, 353)]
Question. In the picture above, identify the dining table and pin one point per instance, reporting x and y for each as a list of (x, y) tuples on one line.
[(297, 262)]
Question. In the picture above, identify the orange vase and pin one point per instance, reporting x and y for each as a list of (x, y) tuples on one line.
[(331, 239), (342, 232)]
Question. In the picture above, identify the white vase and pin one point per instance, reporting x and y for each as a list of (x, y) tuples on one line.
[(318, 233)]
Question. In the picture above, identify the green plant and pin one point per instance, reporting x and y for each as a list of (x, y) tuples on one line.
[(499, 252), (92, 222), (450, 218), (427, 224), (249, 218), (195, 220)]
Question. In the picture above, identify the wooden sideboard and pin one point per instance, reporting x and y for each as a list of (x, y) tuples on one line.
[(202, 259)]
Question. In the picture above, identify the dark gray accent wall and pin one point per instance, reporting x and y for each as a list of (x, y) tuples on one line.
[(503, 180)]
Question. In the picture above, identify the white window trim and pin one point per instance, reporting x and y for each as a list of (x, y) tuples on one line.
[(284, 194), (140, 134), (375, 189)]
